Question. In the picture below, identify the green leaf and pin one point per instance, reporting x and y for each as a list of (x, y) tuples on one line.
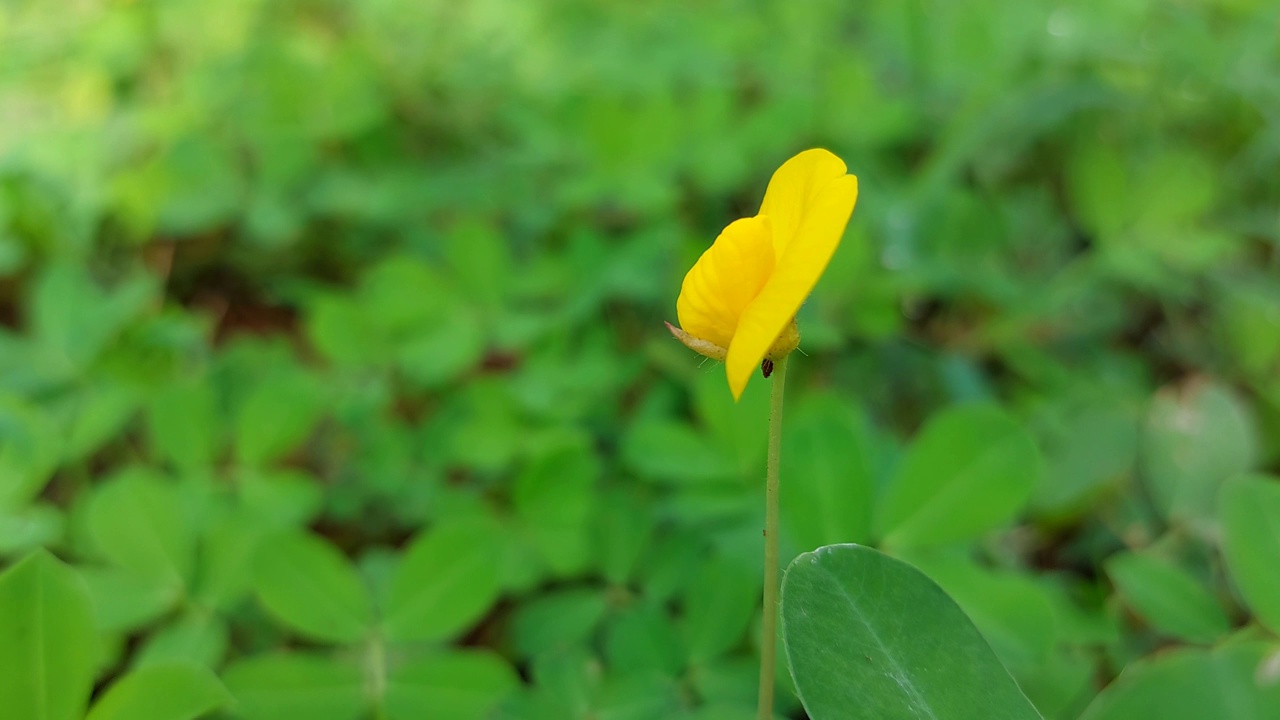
[(637, 697), (1229, 683), (554, 496), (296, 687), (171, 691), (671, 564), (1249, 512), (720, 711), (1063, 683), (828, 488), (1088, 446), (194, 638), (183, 425), (479, 256), (123, 600), (672, 452), (437, 354), (277, 416), (392, 292), (281, 499), (557, 619), (624, 524), (1097, 185), (740, 429), (447, 579), (1173, 188), (1196, 437), (227, 552), (138, 522), (569, 678), (47, 639), (312, 587), (868, 636), (1244, 317), (970, 471), (29, 528), (641, 639), (1013, 612), (74, 319), (459, 685), (338, 327), (99, 414), (29, 451), (201, 184), (735, 678), (432, 337), (718, 607), (522, 569), (486, 430), (1168, 597)]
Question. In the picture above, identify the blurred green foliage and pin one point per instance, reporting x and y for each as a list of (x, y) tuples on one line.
[(333, 365)]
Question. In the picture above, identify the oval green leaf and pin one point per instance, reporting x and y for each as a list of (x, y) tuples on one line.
[(1249, 512), (184, 426), (1229, 683), (1197, 436), (47, 640), (277, 416), (718, 608), (642, 640), (122, 601), (170, 691), (29, 451), (196, 638), (830, 484), (457, 685), (312, 587), (1168, 597), (558, 619), (666, 451), (296, 687), (971, 470), (137, 520), (446, 580), (554, 496), (868, 636), (1012, 611)]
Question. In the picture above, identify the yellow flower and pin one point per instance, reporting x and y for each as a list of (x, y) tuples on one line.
[(738, 303)]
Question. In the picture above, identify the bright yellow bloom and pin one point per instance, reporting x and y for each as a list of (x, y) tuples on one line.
[(739, 302)]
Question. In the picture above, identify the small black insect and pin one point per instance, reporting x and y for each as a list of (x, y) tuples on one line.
[(766, 367)]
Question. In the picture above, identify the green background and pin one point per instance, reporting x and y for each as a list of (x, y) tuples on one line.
[(333, 365)]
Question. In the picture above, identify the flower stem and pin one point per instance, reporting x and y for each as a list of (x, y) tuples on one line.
[(769, 629)]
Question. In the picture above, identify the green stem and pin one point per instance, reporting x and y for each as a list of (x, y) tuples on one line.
[(376, 675), (769, 629)]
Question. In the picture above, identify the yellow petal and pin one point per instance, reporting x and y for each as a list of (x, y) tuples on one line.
[(725, 280), (817, 235), (793, 188)]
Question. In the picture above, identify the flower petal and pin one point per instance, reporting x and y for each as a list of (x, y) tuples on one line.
[(798, 270), (793, 188), (725, 280)]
